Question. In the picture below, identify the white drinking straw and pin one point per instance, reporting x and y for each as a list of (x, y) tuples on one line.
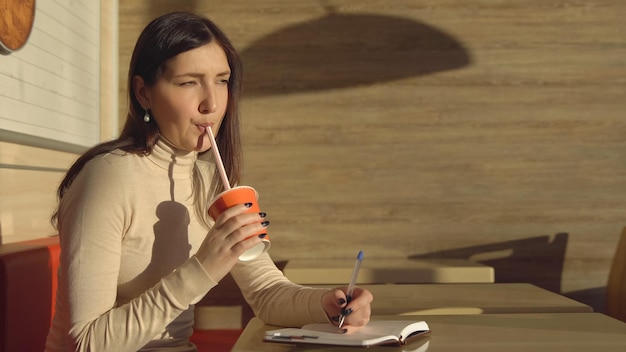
[(218, 159)]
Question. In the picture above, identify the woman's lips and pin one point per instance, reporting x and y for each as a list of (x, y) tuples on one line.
[(203, 127)]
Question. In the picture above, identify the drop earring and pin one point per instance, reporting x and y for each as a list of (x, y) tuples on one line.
[(146, 116)]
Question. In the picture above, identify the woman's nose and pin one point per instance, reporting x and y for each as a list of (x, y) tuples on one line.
[(209, 101)]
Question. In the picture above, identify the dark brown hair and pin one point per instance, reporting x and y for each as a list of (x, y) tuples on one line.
[(162, 39)]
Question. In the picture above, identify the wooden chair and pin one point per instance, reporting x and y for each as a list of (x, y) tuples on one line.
[(616, 285)]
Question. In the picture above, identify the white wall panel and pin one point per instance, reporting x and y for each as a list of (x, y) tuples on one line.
[(50, 89)]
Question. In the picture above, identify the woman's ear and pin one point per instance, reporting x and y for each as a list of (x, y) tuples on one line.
[(141, 92)]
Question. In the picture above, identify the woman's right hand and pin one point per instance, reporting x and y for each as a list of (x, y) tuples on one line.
[(226, 241)]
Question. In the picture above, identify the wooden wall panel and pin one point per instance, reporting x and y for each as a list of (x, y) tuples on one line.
[(29, 177), (491, 130)]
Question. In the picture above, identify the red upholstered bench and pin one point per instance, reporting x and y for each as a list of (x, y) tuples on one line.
[(28, 281), (27, 293)]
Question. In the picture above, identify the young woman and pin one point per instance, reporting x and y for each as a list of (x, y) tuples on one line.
[(137, 246)]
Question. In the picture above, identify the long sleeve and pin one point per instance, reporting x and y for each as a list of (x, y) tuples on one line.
[(274, 298)]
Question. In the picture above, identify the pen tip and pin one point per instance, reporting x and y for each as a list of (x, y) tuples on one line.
[(360, 255)]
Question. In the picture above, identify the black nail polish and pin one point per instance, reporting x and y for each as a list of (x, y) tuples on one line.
[(341, 301), (248, 205), (335, 318), (263, 235), (344, 330), (265, 223), (262, 214)]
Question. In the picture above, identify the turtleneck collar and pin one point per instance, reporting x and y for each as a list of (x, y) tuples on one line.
[(171, 158)]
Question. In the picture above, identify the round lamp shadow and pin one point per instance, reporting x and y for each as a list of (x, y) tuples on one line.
[(347, 50)]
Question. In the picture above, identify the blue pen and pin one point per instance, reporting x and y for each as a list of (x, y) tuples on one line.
[(355, 273)]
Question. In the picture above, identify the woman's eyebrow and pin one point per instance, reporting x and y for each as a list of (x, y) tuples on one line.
[(199, 74)]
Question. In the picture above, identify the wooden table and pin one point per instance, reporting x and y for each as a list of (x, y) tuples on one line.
[(379, 271), (439, 299), (532, 332)]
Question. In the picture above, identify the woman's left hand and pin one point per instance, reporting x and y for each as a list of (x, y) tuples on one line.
[(357, 312)]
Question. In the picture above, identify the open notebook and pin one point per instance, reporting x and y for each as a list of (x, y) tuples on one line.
[(378, 332)]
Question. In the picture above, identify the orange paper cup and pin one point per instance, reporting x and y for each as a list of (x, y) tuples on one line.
[(241, 195)]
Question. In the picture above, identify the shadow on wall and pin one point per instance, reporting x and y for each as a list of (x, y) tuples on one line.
[(340, 50), (536, 260), (347, 50)]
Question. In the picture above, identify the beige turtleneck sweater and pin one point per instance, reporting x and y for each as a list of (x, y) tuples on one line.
[(128, 276)]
